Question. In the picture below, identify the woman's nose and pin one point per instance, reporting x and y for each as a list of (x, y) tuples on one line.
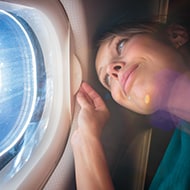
[(114, 69)]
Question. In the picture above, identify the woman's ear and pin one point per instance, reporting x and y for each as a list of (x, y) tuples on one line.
[(178, 35)]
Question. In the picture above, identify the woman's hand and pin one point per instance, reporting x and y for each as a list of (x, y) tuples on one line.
[(90, 163), (93, 114)]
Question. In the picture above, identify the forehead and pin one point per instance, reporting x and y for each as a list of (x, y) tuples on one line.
[(102, 55)]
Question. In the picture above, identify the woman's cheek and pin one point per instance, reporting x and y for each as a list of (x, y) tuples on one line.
[(148, 104), (144, 101), (117, 95), (140, 98)]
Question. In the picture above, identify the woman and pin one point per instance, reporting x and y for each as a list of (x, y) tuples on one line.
[(145, 68)]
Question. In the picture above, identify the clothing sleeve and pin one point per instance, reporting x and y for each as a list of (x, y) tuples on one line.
[(174, 170)]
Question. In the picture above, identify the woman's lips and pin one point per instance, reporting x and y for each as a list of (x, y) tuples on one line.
[(127, 77)]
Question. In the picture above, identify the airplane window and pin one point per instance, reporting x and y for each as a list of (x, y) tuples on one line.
[(22, 89)]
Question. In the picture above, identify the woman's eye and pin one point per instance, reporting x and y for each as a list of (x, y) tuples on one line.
[(120, 45)]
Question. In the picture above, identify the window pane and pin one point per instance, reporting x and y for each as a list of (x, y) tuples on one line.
[(22, 84)]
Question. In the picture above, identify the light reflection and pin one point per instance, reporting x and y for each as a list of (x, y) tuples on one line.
[(1, 73), (22, 91), (147, 99)]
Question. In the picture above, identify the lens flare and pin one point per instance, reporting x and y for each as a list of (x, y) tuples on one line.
[(147, 99)]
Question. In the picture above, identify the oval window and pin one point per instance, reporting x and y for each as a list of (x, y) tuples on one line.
[(22, 84)]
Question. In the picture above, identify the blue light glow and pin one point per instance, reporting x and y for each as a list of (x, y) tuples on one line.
[(22, 84)]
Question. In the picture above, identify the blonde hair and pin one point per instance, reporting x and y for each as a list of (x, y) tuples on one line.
[(129, 29)]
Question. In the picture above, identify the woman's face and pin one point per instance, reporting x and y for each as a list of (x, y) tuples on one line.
[(139, 71)]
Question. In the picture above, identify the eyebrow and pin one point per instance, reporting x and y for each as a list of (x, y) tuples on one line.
[(111, 40)]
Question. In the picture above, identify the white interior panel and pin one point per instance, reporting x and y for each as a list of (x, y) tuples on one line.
[(54, 35)]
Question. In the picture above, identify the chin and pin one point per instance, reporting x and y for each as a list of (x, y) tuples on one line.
[(143, 109)]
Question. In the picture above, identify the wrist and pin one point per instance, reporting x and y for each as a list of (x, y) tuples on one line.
[(81, 138)]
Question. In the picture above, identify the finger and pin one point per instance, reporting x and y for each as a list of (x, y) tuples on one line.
[(83, 101), (86, 96), (94, 96)]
